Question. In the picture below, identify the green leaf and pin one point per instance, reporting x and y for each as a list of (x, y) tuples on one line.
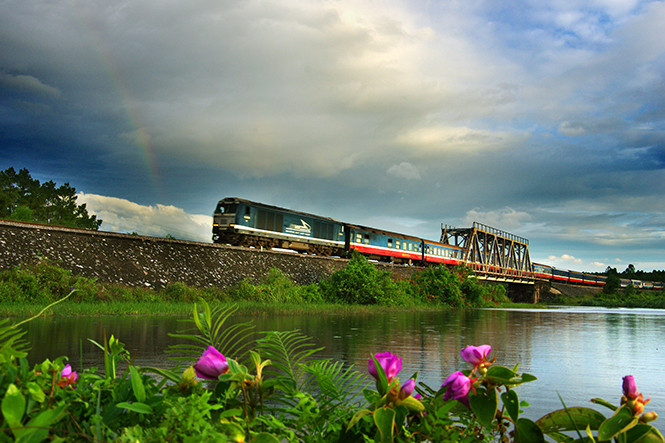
[(502, 375), (413, 404), (165, 373), (384, 418), (621, 421), (512, 404), (560, 420), (37, 429), (357, 416), (141, 408), (607, 404), (137, 384), (36, 392), (485, 405), (264, 437), (644, 433), (526, 431), (236, 412), (13, 408)]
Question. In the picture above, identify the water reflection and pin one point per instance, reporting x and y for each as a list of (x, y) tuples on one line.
[(579, 353)]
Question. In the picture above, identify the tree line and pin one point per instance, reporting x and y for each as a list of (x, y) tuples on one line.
[(23, 198)]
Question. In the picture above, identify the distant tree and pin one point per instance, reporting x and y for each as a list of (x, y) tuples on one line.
[(25, 199), (629, 272), (613, 282)]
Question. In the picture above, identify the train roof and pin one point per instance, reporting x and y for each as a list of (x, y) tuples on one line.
[(383, 232), (275, 208)]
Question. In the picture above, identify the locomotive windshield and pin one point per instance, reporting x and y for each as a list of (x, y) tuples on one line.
[(229, 208)]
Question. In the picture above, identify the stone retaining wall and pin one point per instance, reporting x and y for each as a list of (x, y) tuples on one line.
[(155, 262)]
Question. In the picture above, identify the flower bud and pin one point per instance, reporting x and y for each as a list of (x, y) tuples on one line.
[(407, 389), (630, 387), (211, 365), (648, 416)]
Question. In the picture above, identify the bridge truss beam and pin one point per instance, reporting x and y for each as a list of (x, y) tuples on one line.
[(493, 254)]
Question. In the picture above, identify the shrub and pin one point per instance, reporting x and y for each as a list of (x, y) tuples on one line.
[(360, 283), (180, 292)]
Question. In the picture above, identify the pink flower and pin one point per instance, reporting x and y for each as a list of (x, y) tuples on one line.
[(390, 363), (458, 386), (407, 389), (67, 376), (476, 354), (630, 387), (635, 400), (211, 365)]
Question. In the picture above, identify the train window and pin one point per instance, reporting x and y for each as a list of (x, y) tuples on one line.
[(410, 246), (366, 239), (404, 246), (227, 209), (247, 209), (359, 238), (398, 244), (390, 242)]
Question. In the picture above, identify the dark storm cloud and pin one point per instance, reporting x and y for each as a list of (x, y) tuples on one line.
[(544, 118)]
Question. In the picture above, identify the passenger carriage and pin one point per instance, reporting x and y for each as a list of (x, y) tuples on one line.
[(383, 245), (440, 253)]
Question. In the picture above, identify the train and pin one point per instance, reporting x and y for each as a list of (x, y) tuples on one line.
[(241, 222)]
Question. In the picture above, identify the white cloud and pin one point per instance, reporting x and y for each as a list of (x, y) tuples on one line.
[(405, 170), (120, 215), (564, 259)]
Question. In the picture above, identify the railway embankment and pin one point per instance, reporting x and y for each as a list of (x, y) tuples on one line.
[(135, 260)]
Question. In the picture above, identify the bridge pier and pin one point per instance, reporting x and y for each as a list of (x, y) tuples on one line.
[(527, 293)]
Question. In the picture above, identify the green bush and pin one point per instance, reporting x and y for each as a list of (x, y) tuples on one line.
[(180, 292), (360, 283), (439, 285)]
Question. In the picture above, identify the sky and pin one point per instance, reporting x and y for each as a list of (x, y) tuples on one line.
[(542, 118)]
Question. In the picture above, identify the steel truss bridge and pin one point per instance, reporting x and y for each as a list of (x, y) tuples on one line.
[(493, 254)]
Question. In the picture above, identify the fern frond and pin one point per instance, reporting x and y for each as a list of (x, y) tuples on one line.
[(337, 383), (12, 344), (233, 341), (287, 350)]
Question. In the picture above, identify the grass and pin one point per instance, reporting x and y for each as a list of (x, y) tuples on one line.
[(86, 309), (81, 309)]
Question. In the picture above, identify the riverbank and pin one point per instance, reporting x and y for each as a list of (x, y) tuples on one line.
[(87, 309)]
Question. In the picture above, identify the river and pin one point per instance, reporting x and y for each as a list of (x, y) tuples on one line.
[(579, 353)]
